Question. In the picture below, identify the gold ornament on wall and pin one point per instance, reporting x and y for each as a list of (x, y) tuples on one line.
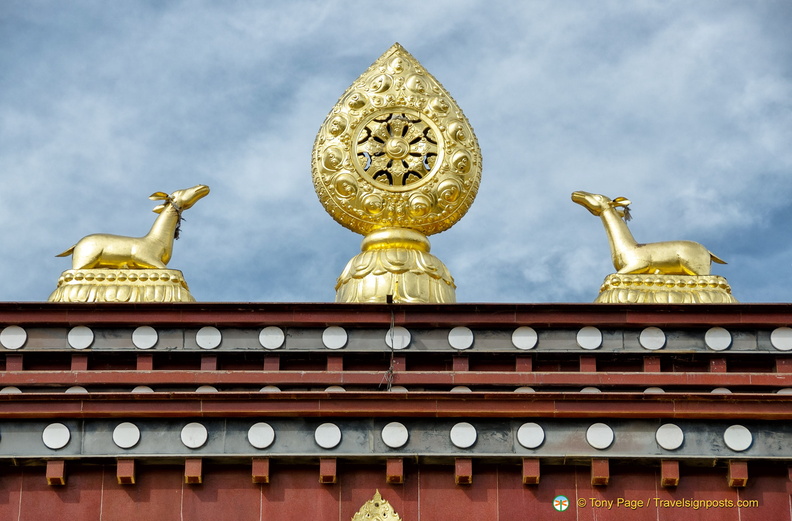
[(396, 160), (676, 272), (376, 509), (115, 268)]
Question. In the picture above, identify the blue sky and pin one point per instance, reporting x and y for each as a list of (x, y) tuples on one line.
[(683, 107)]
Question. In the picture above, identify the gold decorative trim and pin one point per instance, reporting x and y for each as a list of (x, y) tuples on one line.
[(122, 285), (665, 289), (376, 509), (395, 262)]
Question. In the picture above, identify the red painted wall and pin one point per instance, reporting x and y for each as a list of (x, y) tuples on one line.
[(428, 494)]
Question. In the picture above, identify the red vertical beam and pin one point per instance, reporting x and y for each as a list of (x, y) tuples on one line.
[(460, 363), (669, 473), (523, 364), (394, 471), (399, 362), (738, 473), (56, 472), (530, 471), (208, 362), (14, 362), (272, 363), (193, 471), (125, 471), (335, 363), (327, 471), (600, 472), (261, 470), (145, 362), (783, 365), (79, 362), (588, 364), (651, 364), (717, 365), (463, 471)]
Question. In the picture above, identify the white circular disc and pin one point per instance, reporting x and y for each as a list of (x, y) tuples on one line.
[(335, 389), (463, 435), (590, 390), (654, 390), (600, 436), (272, 337), (126, 435), (76, 389), (10, 390), (785, 390), (142, 389), (398, 389), (652, 338), (781, 338), (461, 389), (208, 337), (270, 389), (334, 337), (524, 338), (737, 438), (56, 436), (81, 337), (398, 338), (261, 435), (718, 339), (669, 436), (144, 337), (327, 435), (530, 435), (194, 435), (13, 337), (206, 389), (720, 390), (460, 338), (395, 435), (589, 337), (525, 389)]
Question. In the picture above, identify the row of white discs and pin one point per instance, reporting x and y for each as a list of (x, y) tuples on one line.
[(395, 435), (335, 337)]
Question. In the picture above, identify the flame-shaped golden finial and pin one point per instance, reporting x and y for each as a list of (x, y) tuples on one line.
[(396, 160), (376, 509)]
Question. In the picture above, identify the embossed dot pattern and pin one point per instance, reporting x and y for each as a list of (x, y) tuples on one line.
[(81, 337), (589, 338), (261, 435), (208, 337), (334, 337), (272, 337), (524, 338), (13, 337), (327, 435), (463, 435), (194, 435), (460, 338)]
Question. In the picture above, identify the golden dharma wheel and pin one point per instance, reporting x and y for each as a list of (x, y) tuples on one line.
[(396, 151)]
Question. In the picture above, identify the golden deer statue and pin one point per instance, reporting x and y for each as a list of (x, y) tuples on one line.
[(630, 257), (150, 251)]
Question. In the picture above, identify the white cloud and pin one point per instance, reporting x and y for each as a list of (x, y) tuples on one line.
[(684, 108)]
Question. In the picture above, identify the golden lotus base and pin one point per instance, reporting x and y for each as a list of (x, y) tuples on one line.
[(122, 285), (665, 289), (408, 276), (394, 264)]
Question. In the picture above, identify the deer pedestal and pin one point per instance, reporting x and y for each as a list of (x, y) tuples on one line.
[(665, 289), (121, 285)]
